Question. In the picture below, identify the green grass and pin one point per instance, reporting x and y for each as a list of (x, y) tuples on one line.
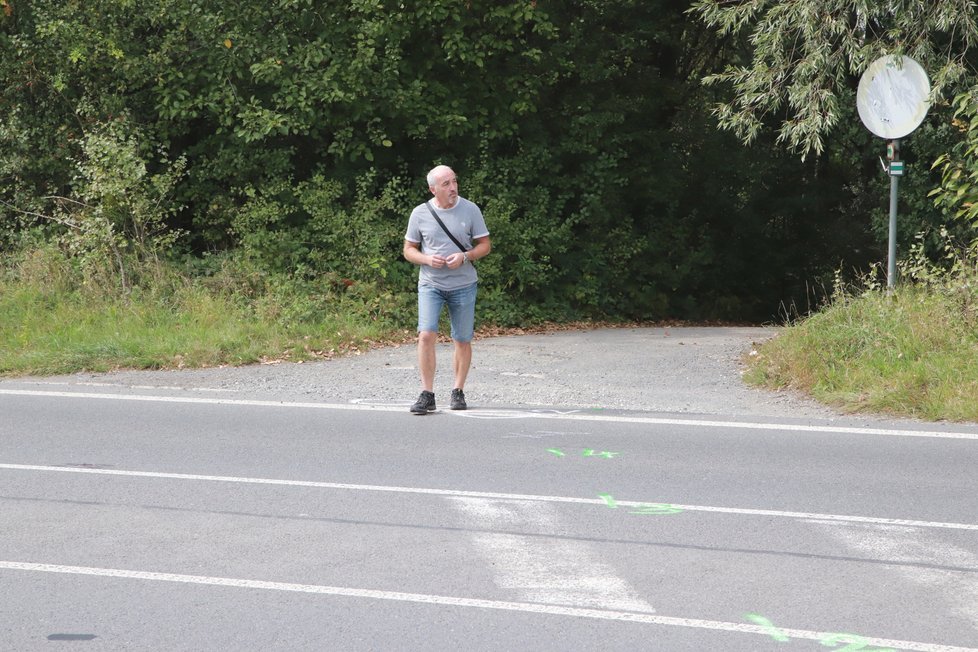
[(52, 326), (913, 353)]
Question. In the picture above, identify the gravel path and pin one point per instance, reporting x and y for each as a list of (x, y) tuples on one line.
[(687, 370)]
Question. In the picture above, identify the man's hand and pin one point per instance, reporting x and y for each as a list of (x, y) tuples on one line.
[(437, 261), (455, 260)]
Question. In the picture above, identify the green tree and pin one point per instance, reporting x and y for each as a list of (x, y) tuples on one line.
[(256, 93), (801, 56), (796, 73), (293, 136)]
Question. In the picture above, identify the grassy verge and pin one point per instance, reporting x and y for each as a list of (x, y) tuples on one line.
[(51, 324), (914, 353), (57, 318)]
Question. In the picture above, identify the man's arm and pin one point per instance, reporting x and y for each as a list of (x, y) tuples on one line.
[(481, 249), (413, 254)]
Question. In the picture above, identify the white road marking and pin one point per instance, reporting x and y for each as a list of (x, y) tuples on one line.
[(174, 387), (908, 545), (508, 414), (544, 570), (486, 494), (745, 425), (539, 434), (622, 616), (201, 401)]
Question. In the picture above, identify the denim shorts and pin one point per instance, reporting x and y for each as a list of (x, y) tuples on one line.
[(461, 309)]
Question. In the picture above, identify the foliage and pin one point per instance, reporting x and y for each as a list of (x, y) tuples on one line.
[(802, 55), (281, 111), (53, 321), (284, 144), (958, 192), (251, 93), (116, 217), (911, 353)]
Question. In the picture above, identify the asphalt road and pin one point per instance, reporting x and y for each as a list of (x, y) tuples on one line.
[(158, 518)]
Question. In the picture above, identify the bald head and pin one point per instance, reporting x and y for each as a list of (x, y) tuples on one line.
[(437, 173), (444, 186)]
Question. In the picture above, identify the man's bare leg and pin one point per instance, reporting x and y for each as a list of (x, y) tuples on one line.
[(461, 361), (426, 358)]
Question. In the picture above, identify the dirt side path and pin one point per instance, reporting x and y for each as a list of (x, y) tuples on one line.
[(695, 370)]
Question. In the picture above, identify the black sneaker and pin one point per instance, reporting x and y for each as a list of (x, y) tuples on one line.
[(424, 404), (458, 399)]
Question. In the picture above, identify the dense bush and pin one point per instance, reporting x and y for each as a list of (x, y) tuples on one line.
[(289, 140)]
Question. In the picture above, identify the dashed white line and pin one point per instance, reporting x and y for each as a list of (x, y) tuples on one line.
[(543, 570), (912, 546), (486, 494)]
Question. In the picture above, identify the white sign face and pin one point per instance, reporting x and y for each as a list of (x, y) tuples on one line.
[(892, 96)]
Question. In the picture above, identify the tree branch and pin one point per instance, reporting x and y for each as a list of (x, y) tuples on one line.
[(67, 223)]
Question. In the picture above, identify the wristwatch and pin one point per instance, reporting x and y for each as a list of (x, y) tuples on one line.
[(465, 256)]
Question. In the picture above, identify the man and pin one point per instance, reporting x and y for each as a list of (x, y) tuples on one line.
[(447, 277)]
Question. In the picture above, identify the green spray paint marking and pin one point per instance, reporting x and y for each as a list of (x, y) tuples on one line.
[(656, 509), (587, 452), (855, 643), (776, 633), (591, 453), (645, 508)]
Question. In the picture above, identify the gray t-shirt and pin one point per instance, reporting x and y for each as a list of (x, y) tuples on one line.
[(466, 223)]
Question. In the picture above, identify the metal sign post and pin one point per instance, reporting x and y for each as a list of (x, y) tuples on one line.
[(896, 171), (892, 100)]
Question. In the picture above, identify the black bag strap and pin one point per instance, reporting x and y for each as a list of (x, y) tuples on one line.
[(444, 228)]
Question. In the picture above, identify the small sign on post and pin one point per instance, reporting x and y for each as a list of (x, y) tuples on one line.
[(892, 100)]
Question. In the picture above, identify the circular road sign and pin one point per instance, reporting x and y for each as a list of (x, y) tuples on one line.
[(892, 96)]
